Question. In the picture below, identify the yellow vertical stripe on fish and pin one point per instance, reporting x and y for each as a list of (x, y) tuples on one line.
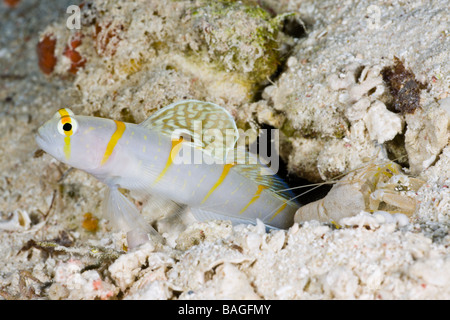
[(255, 197), (67, 147), (176, 146), (226, 169), (120, 129), (64, 113), (278, 211), (65, 118)]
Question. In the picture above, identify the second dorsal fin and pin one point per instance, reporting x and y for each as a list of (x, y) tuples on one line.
[(263, 175)]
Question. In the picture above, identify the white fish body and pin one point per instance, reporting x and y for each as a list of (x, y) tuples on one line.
[(156, 157)]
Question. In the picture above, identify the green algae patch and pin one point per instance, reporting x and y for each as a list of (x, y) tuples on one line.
[(236, 37)]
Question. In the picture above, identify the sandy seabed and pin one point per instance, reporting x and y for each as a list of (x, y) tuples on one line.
[(328, 95)]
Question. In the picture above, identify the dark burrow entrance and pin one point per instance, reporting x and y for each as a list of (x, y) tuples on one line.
[(305, 194)]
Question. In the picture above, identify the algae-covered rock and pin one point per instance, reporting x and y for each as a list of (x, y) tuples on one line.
[(144, 55), (246, 44)]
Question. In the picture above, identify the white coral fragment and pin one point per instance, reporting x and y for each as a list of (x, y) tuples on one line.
[(72, 283), (228, 283), (125, 269), (360, 99), (375, 220), (425, 138), (368, 84), (382, 124), (357, 110), (370, 79)]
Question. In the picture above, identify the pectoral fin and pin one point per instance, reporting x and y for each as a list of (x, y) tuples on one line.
[(124, 215)]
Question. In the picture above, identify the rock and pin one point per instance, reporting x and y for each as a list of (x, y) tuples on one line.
[(425, 137), (382, 124)]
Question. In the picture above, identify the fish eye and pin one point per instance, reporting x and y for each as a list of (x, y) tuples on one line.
[(67, 126)]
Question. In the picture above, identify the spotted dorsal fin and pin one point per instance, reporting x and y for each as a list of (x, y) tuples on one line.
[(207, 125)]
